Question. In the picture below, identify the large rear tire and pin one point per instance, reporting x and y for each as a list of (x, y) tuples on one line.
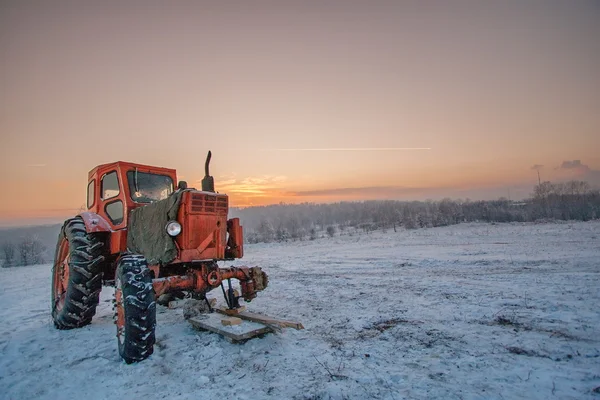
[(135, 309), (76, 276)]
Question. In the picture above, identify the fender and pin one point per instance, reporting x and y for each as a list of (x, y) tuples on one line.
[(94, 222)]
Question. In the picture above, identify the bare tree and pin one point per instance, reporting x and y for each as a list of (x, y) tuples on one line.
[(37, 251), (24, 252), (294, 229), (31, 250), (281, 235), (266, 231), (8, 248), (331, 230), (281, 222)]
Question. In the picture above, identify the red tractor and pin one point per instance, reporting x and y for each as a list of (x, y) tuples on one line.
[(147, 238)]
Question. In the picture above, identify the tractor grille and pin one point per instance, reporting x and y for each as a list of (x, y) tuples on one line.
[(206, 203)]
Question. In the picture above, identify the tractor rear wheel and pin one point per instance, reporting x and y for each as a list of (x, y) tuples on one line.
[(135, 309), (76, 276)]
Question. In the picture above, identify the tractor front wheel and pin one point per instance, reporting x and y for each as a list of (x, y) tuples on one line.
[(135, 309), (76, 276)]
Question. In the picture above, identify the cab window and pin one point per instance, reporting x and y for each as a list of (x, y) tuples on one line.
[(91, 194), (114, 210), (148, 187), (110, 186)]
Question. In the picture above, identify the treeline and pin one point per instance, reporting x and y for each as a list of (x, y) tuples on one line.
[(574, 200), (28, 251)]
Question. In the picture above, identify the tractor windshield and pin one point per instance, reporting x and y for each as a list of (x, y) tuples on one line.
[(147, 188)]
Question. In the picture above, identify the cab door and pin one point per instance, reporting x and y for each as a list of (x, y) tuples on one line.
[(112, 199)]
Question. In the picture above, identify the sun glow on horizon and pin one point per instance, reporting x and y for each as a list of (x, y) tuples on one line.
[(299, 103)]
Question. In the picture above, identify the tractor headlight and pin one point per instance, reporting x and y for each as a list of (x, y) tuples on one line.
[(173, 228)]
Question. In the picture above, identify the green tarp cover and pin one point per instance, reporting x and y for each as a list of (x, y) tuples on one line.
[(147, 234)]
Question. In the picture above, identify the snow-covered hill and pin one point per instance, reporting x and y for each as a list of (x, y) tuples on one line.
[(473, 311)]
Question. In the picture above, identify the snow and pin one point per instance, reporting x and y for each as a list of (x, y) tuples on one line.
[(474, 311)]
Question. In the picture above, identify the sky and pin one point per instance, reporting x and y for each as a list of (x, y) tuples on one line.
[(298, 101)]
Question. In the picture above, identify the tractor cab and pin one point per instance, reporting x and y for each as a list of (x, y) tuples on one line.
[(117, 188)]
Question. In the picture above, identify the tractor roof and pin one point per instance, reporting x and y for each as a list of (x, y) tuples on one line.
[(125, 165)]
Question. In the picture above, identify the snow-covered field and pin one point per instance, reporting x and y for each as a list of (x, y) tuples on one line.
[(475, 311)]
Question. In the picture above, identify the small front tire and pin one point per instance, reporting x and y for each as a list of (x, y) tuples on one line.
[(135, 309)]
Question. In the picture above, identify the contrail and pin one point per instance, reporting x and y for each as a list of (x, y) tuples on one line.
[(354, 149)]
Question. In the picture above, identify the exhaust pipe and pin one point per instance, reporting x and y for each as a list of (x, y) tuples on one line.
[(208, 183)]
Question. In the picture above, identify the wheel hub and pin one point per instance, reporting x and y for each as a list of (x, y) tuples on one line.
[(119, 311), (61, 276)]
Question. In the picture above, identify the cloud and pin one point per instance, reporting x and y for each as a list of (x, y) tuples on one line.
[(575, 169), (224, 182), (36, 165), (414, 193), (537, 167), (353, 149), (373, 191), (263, 180), (251, 187), (575, 164)]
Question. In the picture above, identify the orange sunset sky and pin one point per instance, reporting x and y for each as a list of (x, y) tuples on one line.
[(298, 100)]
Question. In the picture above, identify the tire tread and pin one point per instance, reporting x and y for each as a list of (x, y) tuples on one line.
[(85, 276), (140, 309)]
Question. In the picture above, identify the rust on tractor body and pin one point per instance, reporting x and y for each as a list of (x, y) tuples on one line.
[(94, 222), (61, 275), (205, 216), (205, 278)]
